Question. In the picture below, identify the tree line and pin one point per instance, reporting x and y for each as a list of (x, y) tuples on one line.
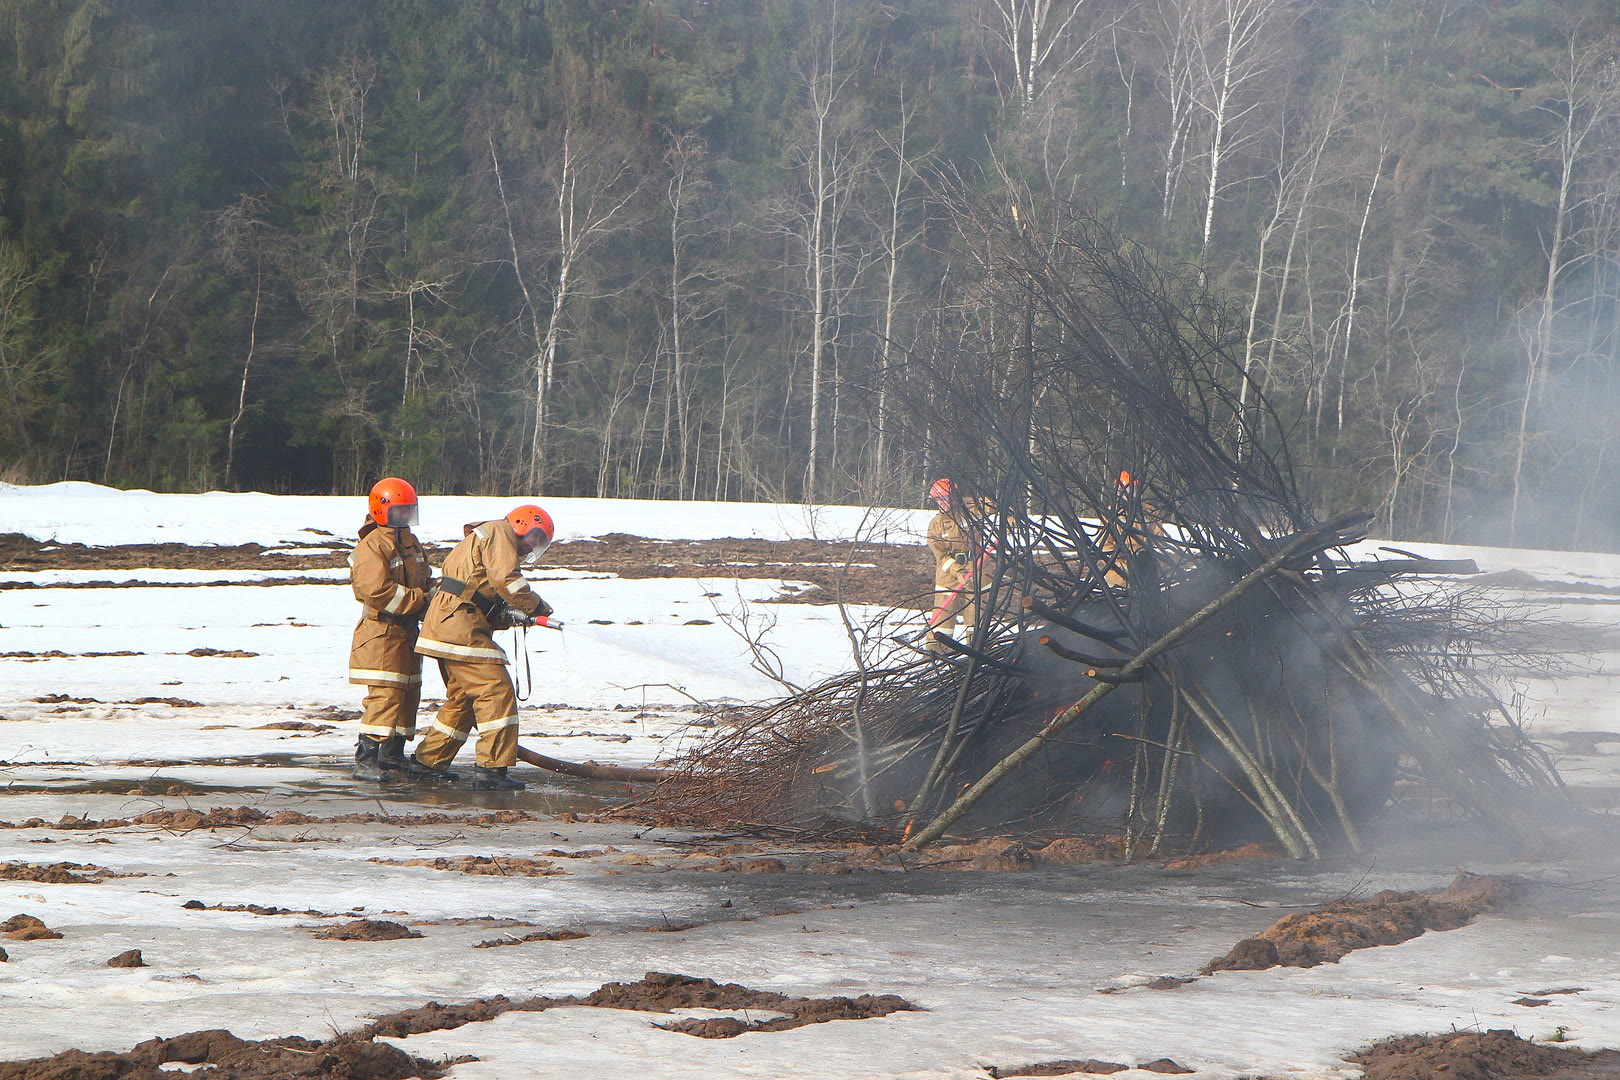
[(689, 249)]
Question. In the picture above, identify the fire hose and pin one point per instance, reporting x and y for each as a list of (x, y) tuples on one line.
[(557, 765)]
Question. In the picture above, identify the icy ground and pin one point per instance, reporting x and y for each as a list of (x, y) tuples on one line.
[(1008, 966)]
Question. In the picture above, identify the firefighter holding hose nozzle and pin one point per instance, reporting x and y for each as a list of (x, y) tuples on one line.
[(390, 576), (481, 590), (961, 557)]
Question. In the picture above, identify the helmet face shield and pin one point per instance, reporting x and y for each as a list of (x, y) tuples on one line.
[(391, 498), (402, 515), (534, 530)]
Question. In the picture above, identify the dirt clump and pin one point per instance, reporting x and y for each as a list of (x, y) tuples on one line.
[(224, 817), (254, 909), (129, 958), (997, 854), (196, 819), (62, 873), (1065, 1067), (27, 928), (1069, 1067), (1249, 852), (492, 865), (538, 935), (345, 1057), (1497, 1054), (355, 1056), (294, 725), (1325, 934), (663, 992), (368, 930), (1073, 850)]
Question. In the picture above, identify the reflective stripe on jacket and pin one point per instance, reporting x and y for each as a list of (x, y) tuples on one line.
[(390, 575), (487, 561)]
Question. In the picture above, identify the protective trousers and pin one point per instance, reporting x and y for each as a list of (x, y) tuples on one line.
[(955, 597), (390, 710), (480, 694)]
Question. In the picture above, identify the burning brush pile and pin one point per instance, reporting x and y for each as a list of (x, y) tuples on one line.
[(1184, 654)]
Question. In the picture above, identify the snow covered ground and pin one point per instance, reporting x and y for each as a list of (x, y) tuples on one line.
[(1008, 966)]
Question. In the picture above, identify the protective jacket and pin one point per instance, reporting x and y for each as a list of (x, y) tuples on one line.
[(956, 535), (390, 575), (485, 567), (1127, 534)]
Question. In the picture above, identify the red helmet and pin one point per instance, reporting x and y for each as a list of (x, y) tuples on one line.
[(943, 492), (533, 527), (393, 503)]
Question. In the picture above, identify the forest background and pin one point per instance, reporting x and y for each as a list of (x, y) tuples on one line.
[(685, 248)]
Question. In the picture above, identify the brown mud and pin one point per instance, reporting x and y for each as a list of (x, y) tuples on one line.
[(368, 930), (1325, 934), (237, 816), (1092, 1066), (538, 935), (656, 991), (27, 928), (342, 1058), (62, 873), (891, 575), (356, 1056), (490, 865), (256, 909), (1490, 1055)]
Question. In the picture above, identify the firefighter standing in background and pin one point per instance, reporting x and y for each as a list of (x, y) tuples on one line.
[(955, 536), (390, 576), (1129, 531), (481, 590)]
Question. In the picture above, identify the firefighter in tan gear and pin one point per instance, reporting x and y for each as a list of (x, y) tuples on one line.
[(1128, 532), (390, 575), (955, 536), (481, 590)]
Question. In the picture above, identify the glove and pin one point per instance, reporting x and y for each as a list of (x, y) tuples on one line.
[(503, 616), (544, 609)]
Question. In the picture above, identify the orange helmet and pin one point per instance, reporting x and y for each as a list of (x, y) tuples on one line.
[(533, 526), (943, 492), (393, 503)]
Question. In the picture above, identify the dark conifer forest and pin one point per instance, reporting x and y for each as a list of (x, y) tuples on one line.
[(692, 249)]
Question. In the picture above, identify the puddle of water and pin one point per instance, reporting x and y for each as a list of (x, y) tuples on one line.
[(548, 794)]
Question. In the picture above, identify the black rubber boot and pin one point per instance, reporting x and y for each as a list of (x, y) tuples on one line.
[(391, 756), (426, 772), (366, 766), (494, 780)]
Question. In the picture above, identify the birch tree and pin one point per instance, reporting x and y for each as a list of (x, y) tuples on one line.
[(1037, 41), (589, 179), (1582, 100), (830, 162), (1236, 46)]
